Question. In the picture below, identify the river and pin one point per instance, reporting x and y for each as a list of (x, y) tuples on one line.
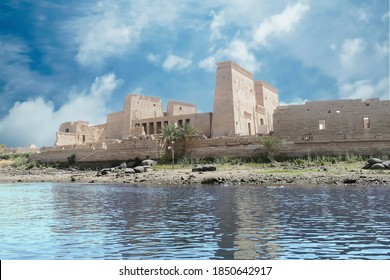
[(96, 221)]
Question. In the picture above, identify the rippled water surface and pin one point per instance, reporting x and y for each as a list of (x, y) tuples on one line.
[(60, 221)]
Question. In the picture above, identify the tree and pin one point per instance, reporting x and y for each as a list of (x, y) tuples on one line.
[(186, 133), (270, 145), (170, 134)]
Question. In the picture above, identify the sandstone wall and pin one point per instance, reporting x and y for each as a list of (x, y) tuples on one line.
[(336, 120), (114, 126), (248, 146), (102, 152), (176, 108), (139, 107), (155, 125), (78, 133)]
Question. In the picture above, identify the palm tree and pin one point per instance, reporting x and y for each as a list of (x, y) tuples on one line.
[(270, 145), (186, 133), (170, 134)]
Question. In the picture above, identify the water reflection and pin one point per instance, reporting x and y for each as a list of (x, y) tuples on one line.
[(56, 221)]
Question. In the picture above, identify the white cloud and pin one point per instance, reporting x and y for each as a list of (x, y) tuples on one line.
[(35, 121), (385, 16), (153, 58), (17, 80), (237, 51), (240, 52), (363, 15), (107, 29), (382, 49), (295, 101), (176, 62), (350, 49), (208, 64), (215, 26), (279, 24), (365, 89)]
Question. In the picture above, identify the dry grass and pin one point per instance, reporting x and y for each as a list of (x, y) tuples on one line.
[(6, 162)]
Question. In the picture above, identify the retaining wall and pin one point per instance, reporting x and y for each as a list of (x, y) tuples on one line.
[(247, 146)]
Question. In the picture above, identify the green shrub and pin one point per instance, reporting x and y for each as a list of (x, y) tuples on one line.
[(71, 159)]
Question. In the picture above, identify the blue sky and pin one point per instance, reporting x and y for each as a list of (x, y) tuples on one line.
[(77, 60)]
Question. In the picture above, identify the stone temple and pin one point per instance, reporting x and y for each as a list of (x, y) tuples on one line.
[(242, 106)]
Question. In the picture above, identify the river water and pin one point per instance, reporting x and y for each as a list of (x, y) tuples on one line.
[(91, 221)]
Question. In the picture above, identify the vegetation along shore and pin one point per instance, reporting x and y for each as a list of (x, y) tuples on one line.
[(352, 170)]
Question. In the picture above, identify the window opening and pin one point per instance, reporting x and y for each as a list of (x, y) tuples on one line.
[(180, 123), (366, 122), (321, 124)]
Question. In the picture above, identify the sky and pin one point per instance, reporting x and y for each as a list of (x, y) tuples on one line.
[(77, 60)]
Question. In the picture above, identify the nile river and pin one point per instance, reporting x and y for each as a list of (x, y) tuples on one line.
[(90, 221)]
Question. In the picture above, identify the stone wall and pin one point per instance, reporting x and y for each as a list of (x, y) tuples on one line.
[(122, 150), (336, 120), (176, 108), (202, 121), (114, 126), (78, 133), (247, 146)]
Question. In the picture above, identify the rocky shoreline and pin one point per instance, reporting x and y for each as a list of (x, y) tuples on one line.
[(279, 174)]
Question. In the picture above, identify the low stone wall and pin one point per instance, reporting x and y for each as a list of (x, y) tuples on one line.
[(246, 146), (101, 152), (18, 150)]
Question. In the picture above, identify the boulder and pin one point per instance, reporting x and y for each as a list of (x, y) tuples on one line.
[(206, 167), (139, 169), (386, 164), (123, 165), (103, 172), (378, 166), (209, 167), (148, 162), (210, 181), (197, 168), (367, 166), (130, 164), (350, 181), (147, 168), (129, 171), (374, 160)]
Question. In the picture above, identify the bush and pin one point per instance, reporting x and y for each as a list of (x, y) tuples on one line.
[(71, 159)]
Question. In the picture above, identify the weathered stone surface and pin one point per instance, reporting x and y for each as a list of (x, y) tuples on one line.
[(149, 162), (374, 160), (210, 181), (129, 171), (378, 166), (367, 165), (197, 168), (147, 168), (350, 181), (139, 169), (209, 167), (206, 167), (386, 164)]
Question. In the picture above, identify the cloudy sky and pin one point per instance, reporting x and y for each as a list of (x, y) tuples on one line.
[(77, 60)]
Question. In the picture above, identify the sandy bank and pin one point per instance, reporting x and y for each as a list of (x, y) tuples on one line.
[(280, 174)]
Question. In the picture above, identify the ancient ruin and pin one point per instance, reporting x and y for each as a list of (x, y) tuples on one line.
[(335, 120), (242, 106), (243, 110)]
